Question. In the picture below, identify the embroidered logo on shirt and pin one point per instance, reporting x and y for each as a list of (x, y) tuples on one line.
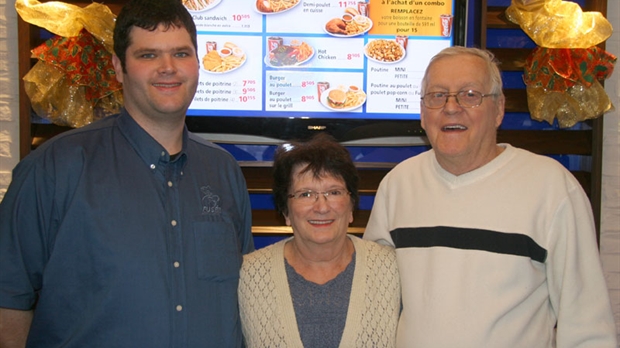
[(210, 201)]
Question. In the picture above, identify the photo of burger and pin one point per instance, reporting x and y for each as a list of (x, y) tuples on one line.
[(336, 98), (343, 98)]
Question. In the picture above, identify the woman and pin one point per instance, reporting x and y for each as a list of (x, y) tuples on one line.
[(321, 287)]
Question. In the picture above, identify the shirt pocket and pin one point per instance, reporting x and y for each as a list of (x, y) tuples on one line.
[(217, 251)]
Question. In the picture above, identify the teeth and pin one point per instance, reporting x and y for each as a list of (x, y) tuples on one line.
[(320, 222), (455, 127)]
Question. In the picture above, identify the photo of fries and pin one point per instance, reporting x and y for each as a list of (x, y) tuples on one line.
[(384, 51), (358, 27), (275, 6), (227, 59), (304, 51), (199, 5)]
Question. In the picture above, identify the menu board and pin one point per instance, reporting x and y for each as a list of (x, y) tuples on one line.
[(316, 58)]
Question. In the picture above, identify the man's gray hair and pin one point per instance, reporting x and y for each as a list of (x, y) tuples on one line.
[(488, 57)]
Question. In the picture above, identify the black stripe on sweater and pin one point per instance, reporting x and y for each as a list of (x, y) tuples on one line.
[(469, 238)]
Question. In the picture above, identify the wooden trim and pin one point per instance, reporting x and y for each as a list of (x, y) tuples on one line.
[(287, 230), (552, 142), (597, 139), (512, 59), (596, 5), (516, 100), (496, 18), (483, 24), (596, 184)]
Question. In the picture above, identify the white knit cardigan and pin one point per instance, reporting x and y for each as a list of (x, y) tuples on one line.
[(266, 306)]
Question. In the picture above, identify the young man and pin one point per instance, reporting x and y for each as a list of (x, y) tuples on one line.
[(128, 232), (495, 245)]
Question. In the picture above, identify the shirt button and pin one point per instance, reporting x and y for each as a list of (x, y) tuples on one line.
[(152, 166), (173, 222), (163, 153), (179, 308), (169, 183), (176, 264)]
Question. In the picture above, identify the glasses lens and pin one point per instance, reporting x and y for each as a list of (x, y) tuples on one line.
[(336, 195), (309, 197), (469, 99), (435, 100)]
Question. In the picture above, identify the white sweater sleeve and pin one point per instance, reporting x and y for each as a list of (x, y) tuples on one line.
[(577, 287)]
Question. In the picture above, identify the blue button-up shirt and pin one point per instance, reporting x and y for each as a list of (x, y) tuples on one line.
[(115, 244)]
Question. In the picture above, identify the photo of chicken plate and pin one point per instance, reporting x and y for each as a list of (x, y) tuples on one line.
[(351, 23)]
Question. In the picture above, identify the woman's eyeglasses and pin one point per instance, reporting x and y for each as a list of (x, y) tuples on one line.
[(310, 197)]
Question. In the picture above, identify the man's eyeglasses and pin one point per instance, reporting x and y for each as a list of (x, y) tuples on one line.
[(310, 197), (466, 99)]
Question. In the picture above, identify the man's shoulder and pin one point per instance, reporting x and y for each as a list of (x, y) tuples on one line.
[(209, 147), (536, 161), (74, 138), (413, 162)]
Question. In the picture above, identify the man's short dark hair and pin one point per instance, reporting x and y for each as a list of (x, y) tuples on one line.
[(148, 15)]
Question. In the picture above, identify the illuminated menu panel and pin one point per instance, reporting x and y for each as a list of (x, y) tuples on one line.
[(316, 59)]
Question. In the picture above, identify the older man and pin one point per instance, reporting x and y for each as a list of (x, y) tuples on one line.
[(495, 245)]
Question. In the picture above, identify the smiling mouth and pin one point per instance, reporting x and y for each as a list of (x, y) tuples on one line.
[(454, 127), (320, 222), (168, 85)]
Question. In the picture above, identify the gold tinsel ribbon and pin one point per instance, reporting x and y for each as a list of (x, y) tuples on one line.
[(563, 75), (74, 82)]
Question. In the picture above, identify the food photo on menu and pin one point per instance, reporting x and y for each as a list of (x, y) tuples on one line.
[(386, 51), (351, 23), (199, 5), (269, 57), (341, 98), (228, 58), (292, 54), (275, 6)]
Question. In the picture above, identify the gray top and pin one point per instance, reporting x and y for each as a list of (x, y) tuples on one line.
[(321, 310)]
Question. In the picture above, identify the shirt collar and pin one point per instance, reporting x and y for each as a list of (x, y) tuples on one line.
[(143, 143)]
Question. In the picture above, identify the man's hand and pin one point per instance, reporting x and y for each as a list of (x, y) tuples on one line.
[(14, 327)]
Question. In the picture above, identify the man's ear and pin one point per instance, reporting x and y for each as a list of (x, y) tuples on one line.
[(500, 111), (118, 68), (422, 115)]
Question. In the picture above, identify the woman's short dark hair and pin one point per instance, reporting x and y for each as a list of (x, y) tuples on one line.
[(323, 155), (148, 15)]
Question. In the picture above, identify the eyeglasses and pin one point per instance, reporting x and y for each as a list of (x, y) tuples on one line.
[(310, 197), (466, 99)]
